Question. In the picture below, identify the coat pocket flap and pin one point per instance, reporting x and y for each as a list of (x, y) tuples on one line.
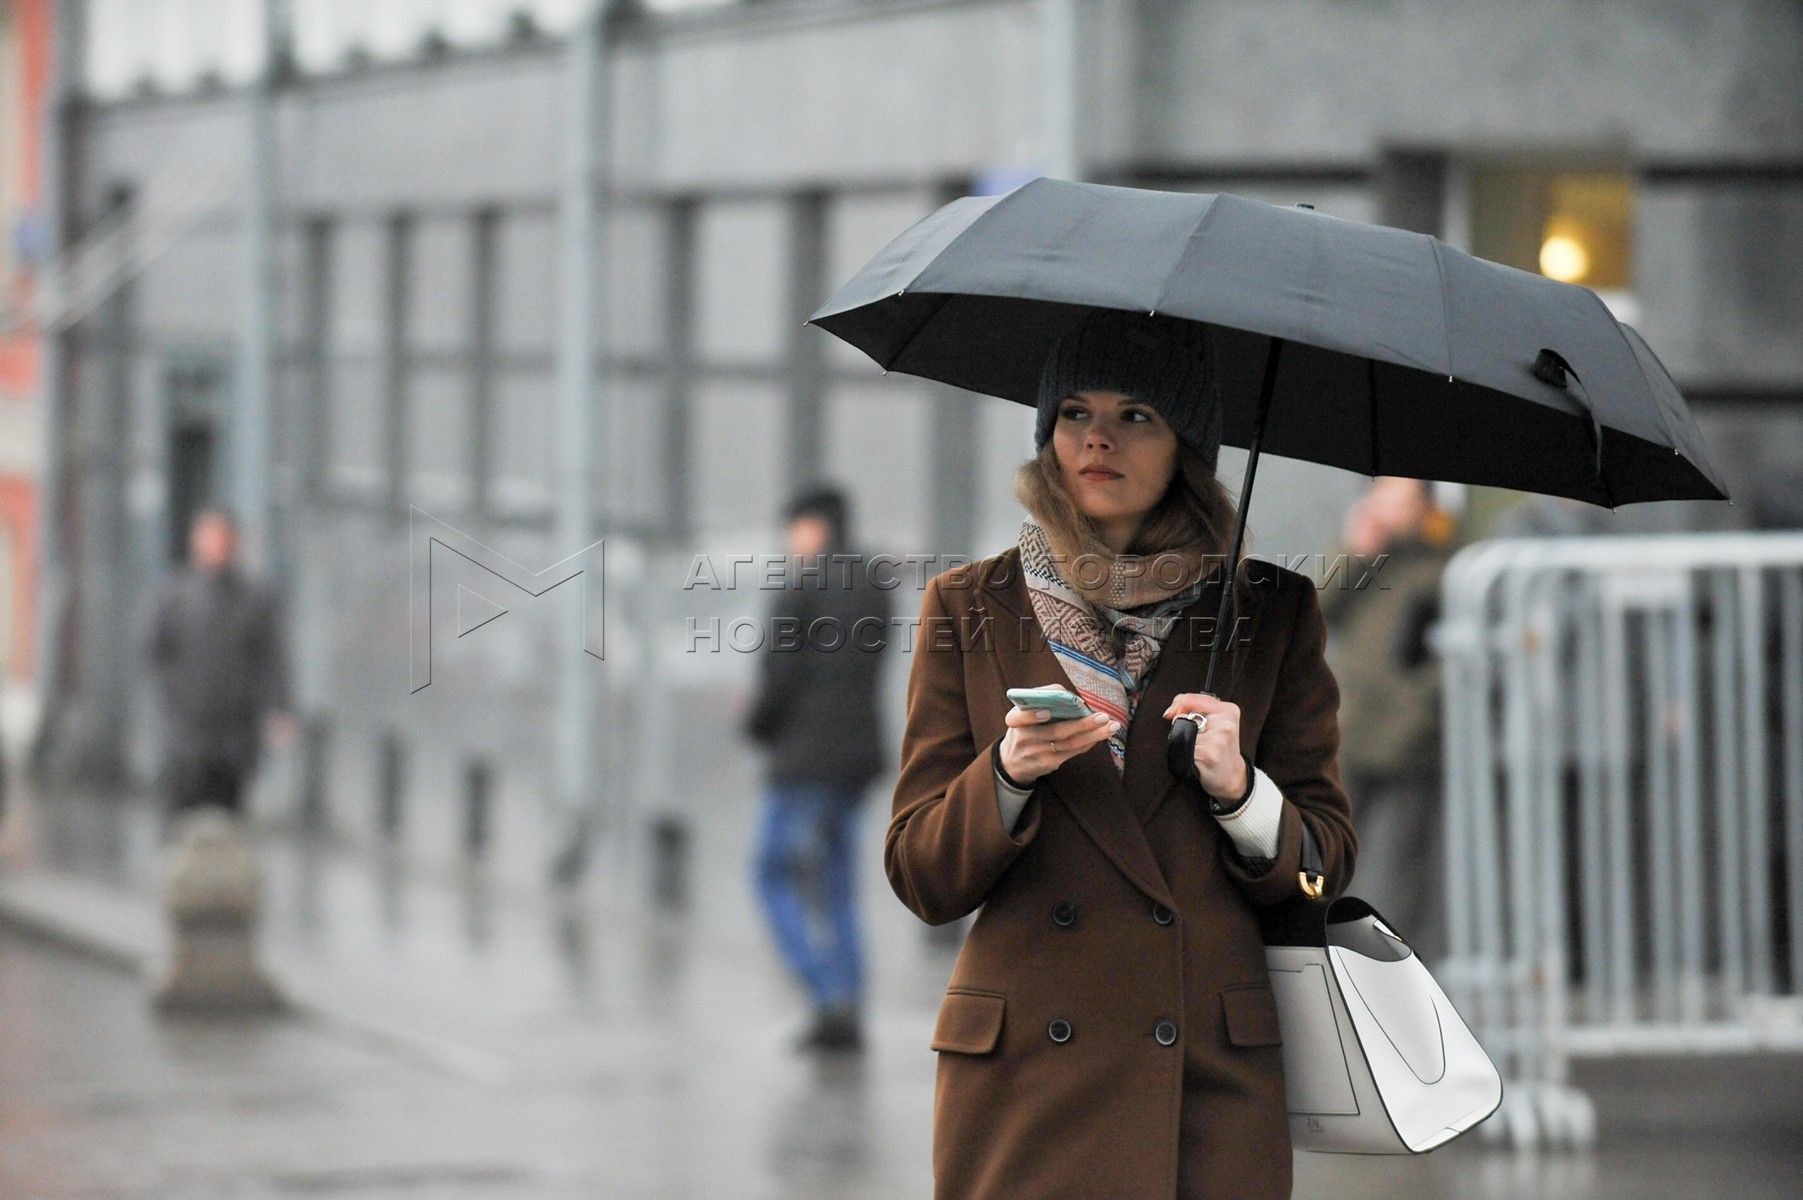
[(1251, 1013), (969, 1022)]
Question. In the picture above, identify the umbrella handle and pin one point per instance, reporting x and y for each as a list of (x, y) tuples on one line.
[(1180, 750)]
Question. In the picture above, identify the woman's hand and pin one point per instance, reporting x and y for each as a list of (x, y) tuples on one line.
[(1218, 758), (1035, 745)]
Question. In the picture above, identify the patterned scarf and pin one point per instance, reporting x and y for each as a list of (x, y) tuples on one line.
[(1110, 672)]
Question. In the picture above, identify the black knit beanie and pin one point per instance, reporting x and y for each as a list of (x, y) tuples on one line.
[(1161, 360)]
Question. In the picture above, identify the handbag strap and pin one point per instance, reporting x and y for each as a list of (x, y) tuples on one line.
[(1313, 875), (1299, 919)]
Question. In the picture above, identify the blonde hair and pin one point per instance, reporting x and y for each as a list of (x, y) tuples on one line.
[(1196, 507)]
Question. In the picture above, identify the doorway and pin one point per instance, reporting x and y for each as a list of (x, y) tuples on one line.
[(195, 390)]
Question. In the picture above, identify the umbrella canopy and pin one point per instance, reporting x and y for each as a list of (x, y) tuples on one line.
[(1357, 346), (1399, 355)]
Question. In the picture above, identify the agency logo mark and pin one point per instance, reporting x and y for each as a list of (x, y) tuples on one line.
[(434, 548)]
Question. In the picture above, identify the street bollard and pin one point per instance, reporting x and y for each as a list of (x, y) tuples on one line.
[(670, 862), (314, 747), (391, 765), (213, 892), (478, 805)]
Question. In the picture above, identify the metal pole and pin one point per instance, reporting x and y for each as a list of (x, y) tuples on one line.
[(1549, 599), (1753, 797), (252, 460), (1592, 667), (61, 112), (1692, 901), (576, 729), (1661, 807), (1726, 736), (1062, 153), (1616, 829), (1791, 672), (807, 349), (1520, 814), (676, 451)]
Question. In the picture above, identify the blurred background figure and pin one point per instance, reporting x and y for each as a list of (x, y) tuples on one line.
[(815, 712), (1378, 610), (215, 646)]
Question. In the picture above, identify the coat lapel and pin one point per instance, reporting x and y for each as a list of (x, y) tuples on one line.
[(1087, 785)]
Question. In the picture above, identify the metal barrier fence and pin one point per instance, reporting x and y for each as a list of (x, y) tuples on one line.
[(1624, 805)]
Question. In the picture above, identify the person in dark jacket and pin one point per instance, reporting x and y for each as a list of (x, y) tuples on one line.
[(1397, 542), (815, 713), (214, 643)]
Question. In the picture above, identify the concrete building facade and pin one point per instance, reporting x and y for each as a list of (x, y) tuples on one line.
[(420, 193)]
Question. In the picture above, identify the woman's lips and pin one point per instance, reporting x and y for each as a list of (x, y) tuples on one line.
[(1099, 473)]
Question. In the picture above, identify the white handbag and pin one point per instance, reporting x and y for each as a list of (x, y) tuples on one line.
[(1375, 1058)]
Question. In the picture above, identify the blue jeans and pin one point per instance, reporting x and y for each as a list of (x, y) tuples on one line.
[(807, 881)]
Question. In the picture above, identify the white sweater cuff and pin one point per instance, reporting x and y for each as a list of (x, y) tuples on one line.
[(1011, 800), (1253, 827)]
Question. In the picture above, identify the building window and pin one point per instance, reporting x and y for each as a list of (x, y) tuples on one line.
[(1573, 225)]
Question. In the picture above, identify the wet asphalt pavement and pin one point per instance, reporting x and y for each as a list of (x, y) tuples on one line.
[(101, 1098), (489, 1044)]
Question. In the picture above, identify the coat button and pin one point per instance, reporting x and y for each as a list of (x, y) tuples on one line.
[(1163, 915), (1064, 913), (1059, 1030), (1166, 1033)]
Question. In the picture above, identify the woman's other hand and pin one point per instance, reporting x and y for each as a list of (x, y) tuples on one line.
[(1218, 758), (1035, 745)]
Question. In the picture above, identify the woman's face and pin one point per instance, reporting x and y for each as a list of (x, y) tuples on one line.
[(1116, 456)]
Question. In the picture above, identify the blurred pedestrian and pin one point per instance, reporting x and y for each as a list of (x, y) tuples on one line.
[(216, 648), (815, 712), (1379, 606), (1109, 1030)]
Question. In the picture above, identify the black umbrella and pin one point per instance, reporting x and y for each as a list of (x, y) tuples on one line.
[(1357, 346)]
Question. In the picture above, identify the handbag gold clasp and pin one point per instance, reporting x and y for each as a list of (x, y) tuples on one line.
[(1312, 884)]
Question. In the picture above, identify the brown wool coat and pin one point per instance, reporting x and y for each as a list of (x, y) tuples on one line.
[(1116, 904)]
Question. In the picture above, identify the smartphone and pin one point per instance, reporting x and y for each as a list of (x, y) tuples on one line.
[(1062, 703)]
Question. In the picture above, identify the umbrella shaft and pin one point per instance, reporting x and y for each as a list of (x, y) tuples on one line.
[(1223, 612)]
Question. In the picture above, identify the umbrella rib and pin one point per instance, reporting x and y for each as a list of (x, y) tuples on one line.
[(1190, 244), (1635, 358), (1602, 476), (1371, 407), (1445, 306), (945, 298)]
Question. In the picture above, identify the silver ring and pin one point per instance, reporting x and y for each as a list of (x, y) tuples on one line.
[(1200, 720)]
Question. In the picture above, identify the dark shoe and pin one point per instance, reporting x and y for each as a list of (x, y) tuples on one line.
[(835, 1030)]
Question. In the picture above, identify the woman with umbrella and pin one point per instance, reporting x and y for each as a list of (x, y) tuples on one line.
[(1109, 1029)]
